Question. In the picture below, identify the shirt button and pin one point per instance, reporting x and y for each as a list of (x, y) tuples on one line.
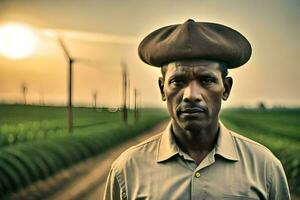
[(197, 174)]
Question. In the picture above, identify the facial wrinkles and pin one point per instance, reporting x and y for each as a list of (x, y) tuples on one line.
[(194, 76), (195, 67), (208, 94)]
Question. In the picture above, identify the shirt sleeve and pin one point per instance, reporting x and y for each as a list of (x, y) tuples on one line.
[(112, 189), (279, 188)]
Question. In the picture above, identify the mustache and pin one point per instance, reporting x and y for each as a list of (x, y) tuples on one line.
[(190, 108)]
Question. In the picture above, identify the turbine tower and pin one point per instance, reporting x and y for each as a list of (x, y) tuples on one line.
[(70, 61), (125, 91)]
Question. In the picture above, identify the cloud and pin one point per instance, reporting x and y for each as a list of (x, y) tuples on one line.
[(91, 36)]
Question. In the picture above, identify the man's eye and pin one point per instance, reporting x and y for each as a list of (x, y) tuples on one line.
[(177, 82), (207, 80)]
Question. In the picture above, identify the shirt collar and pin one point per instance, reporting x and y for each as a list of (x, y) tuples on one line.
[(225, 146), (167, 146)]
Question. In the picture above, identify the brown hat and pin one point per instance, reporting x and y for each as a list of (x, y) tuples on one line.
[(195, 40)]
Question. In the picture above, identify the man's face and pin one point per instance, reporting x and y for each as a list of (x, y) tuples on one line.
[(194, 91)]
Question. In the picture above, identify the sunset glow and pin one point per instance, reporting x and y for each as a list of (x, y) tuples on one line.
[(16, 41), (100, 34)]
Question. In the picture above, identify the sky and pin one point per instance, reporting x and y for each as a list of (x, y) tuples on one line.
[(101, 35)]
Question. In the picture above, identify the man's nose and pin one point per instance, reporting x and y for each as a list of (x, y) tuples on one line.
[(192, 93)]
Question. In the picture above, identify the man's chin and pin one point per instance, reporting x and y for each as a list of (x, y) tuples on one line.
[(193, 125)]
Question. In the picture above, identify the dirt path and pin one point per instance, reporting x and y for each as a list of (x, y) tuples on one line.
[(91, 185)]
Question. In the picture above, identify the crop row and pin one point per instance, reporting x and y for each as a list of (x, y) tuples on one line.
[(25, 163), (28, 131)]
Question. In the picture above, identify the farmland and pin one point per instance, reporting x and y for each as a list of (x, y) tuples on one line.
[(35, 143)]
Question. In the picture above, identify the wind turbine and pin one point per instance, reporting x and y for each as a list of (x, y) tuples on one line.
[(95, 37), (70, 61)]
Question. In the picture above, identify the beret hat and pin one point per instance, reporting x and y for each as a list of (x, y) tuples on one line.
[(195, 40)]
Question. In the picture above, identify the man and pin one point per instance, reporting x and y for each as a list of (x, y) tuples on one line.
[(196, 157)]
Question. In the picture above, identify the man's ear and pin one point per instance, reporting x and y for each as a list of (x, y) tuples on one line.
[(228, 82), (161, 87)]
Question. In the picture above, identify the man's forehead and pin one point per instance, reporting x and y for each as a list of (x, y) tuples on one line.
[(193, 65)]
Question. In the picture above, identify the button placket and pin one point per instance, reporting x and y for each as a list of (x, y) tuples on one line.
[(198, 186)]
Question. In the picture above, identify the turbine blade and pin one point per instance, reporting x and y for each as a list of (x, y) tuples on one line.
[(64, 48)]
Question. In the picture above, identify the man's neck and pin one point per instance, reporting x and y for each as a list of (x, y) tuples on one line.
[(196, 144)]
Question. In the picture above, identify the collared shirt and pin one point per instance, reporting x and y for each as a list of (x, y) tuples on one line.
[(236, 168)]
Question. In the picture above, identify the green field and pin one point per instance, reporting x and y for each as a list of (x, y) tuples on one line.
[(35, 143), (277, 129)]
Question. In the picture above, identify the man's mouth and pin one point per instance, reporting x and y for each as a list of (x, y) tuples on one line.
[(193, 110)]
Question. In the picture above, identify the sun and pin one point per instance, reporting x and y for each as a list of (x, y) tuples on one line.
[(17, 41)]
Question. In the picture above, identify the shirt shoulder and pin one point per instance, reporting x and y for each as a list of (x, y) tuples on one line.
[(145, 151), (253, 149), (260, 161)]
